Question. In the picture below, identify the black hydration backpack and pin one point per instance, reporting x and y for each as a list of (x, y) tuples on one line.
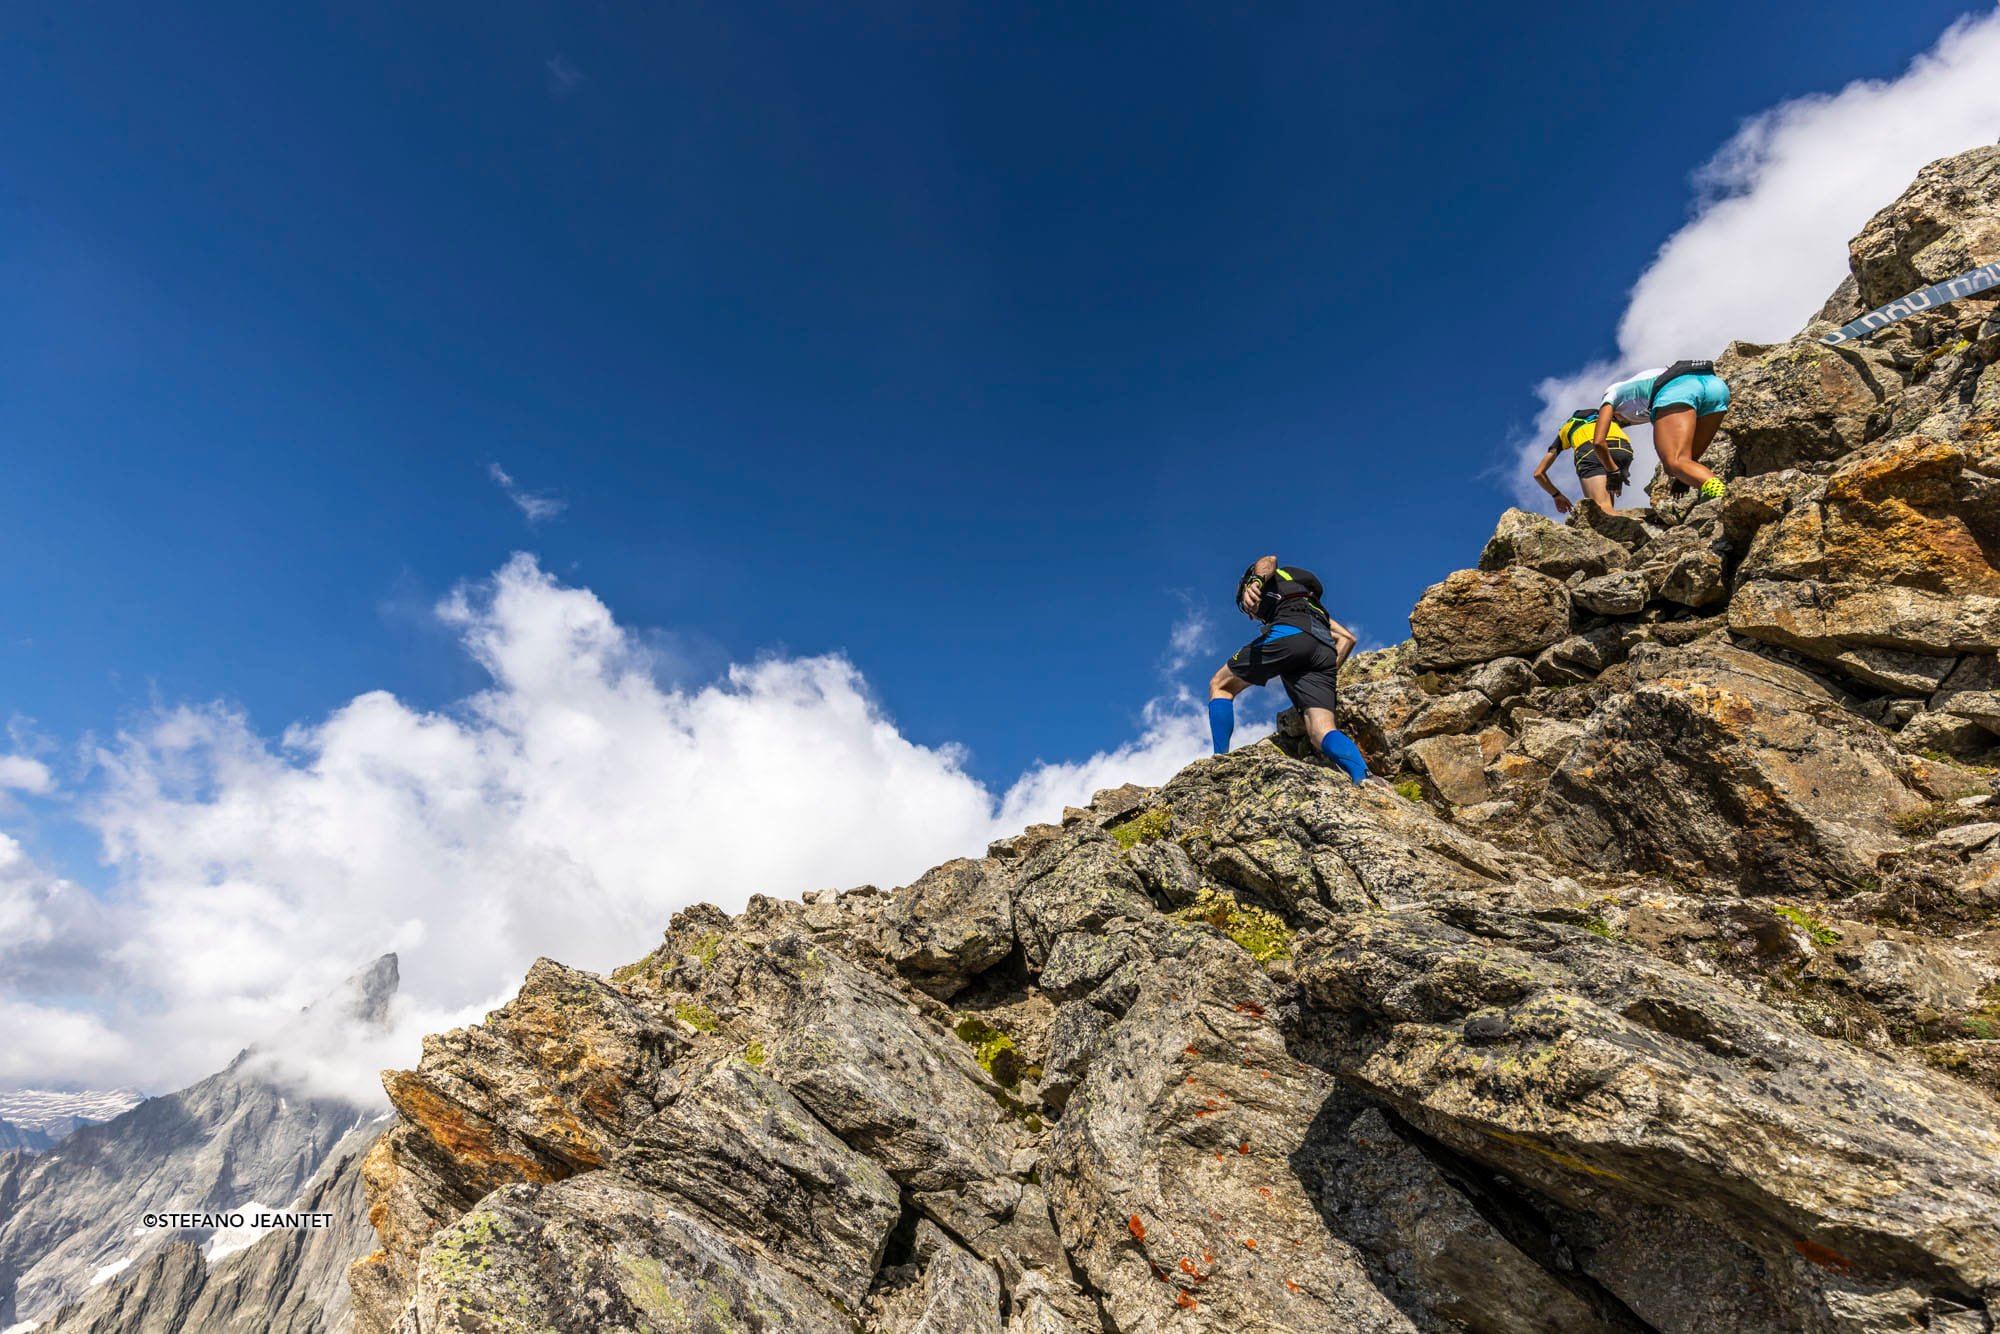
[(1675, 372)]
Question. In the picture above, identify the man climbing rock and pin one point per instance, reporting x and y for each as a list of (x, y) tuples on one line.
[(1301, 645), (1600, 486), (1685, 402)]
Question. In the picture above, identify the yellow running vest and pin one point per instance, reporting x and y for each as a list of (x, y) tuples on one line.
[(1576, 432)]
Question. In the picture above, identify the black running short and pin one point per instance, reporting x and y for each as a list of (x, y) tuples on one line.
[(1588, 466), (1308, 667)]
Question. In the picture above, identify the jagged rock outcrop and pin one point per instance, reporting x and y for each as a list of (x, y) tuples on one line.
[(1663, 993)]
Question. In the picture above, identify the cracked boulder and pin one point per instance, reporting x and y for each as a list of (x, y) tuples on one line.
[(1475, 616), (1590, 1073), (952, 925), (1721, 763), (1536, 543)]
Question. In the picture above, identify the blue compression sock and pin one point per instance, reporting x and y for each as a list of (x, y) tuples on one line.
[(1336, 746), (1221, 722)]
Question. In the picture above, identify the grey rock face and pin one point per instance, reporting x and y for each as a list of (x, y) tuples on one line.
[(15, 1137), (1619, 1051), (627, 1260), (740, 1152), (293, 1282), (1502, 679), (221, 1144), (1722, 763)]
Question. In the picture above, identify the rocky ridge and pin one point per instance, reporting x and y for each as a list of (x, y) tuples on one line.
[(1663, 995)]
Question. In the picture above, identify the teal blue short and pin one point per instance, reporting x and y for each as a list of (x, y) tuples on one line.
[(1706, 394)]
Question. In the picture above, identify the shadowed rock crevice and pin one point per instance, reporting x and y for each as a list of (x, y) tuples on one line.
[(1526, 1222)]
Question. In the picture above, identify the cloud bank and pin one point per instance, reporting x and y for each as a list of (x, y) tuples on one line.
[(566, 810), (1774, 210)]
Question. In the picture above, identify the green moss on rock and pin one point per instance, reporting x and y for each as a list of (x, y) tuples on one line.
[(1148, 827), (1262, 933), (1818, 932), (1940, 815), (696, 1016), (993, 1049)]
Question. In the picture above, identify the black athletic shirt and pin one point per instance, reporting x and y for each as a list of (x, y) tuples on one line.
[(1291, 597)]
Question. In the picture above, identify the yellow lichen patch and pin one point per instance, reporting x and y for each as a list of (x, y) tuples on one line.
[(646, 1284), (1556, 1156), (459, 1255)]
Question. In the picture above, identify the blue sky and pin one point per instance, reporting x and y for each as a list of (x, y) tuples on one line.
[(963, 341), (980, 345)]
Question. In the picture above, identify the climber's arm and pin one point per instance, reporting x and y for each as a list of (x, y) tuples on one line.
[(1251, 591), (1343, 640), (1598, 437), (1542, 480)]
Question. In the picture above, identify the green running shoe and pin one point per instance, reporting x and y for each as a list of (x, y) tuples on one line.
[(1711, 489)]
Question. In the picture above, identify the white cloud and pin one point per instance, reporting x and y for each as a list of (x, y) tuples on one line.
[(1176, 735), (535, 506), (48, 1042), (1777, 205), (52, 931), (563, 76), (18, 773), (566, 810), (1188, 640)]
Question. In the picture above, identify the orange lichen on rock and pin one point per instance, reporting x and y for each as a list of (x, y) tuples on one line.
[(1250, 1243), (1136, 1228), (1824, 1256), (1185, 1301), (468, 1138)]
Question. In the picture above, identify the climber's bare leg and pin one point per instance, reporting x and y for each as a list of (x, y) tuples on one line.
[(1673, 437)]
